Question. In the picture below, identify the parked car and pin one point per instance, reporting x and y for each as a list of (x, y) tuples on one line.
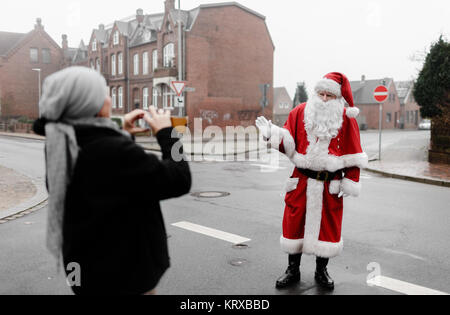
[(425, 124)]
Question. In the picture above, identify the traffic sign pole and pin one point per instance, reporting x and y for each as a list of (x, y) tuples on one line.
[(380, 95)]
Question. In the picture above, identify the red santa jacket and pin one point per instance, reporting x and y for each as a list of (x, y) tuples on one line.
[(344, 152)]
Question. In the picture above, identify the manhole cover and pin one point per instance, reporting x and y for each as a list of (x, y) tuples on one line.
[(210, 194), (240, 246), (237, 262)]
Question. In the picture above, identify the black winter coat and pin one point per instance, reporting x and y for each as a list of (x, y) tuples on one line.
[(113, 226)]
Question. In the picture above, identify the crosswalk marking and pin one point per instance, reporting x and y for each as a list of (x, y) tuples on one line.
[(232, 238), (402, 286)]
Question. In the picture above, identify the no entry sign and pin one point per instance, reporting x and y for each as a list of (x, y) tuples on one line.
[(381, 94)]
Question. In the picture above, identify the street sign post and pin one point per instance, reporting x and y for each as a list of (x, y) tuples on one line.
[(380, 95)]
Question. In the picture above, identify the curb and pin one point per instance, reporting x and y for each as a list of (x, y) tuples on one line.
[(428, 181), (26, 207)]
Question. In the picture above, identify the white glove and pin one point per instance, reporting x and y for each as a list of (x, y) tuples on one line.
[(264, 126)]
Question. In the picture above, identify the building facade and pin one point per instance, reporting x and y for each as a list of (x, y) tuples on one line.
[(282, 106), (226, 52), (25, 61), (410, 108), (393, 112)]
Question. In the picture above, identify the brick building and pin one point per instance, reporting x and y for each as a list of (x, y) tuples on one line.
[(410, 108), (20, 53), (393, 114), (226, 50), (282, 106)]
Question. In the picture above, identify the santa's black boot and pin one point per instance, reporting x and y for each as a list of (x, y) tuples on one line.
[(322, 277), (292, 274)]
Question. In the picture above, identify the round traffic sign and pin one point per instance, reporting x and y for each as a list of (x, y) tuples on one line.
[(381, 94)]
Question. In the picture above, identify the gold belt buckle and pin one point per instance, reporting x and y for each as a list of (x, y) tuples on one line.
[(319, 173)]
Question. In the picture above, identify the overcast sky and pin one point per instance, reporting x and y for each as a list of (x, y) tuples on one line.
[(372, 37)]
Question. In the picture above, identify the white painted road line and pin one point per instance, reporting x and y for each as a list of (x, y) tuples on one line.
[(402, 287), (232, 238)]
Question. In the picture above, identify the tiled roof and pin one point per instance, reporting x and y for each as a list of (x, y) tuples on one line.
[(363, 90), (404, 88), (9, 40)]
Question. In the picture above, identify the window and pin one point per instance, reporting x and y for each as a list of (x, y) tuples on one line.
[(114, 97), (34, 52), (113, 64), (120, 61), (145, 63), (169, 55), (94, 45), (154, 59), (168, 97), (120, 97), (116, 38), (145, 98), (155, 97), (388, 117), (46, 57), (97, 65), (136, 64)]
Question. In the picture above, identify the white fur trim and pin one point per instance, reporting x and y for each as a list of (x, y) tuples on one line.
[(314, 205), (335, 187), (350, 187), (352, 112), (291, 184), (327, 249), (291, 246), (329, 85)]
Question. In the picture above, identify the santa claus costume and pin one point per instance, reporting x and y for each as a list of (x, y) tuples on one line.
[(322, 140)]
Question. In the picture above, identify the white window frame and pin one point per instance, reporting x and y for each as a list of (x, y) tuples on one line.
[(145, 62), (168, 97), (114, 97), (154, 59), (155, 95), (120, 63), (113, 64), (136, 64), (169, 55), (145, 98), (97, 65), (94, 45), (116, 38), (120, 97)]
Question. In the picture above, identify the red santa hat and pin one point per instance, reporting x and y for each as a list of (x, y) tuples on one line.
[(338, 84)]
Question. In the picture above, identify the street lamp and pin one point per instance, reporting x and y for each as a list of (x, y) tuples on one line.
[(39, 78)]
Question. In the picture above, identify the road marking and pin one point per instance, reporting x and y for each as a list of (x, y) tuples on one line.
[(402, 286), (232, 238)]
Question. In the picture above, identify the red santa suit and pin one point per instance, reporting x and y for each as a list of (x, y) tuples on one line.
[(313, 214)]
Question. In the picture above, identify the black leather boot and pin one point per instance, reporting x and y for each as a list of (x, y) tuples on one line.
[(322, 277), (292, 274)]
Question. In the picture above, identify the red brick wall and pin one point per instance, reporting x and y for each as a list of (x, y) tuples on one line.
[(229, 53), (19, 83)]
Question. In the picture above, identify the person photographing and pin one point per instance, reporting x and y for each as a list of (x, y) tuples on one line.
[(104, 189)]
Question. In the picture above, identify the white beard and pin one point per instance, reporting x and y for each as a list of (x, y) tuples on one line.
[(324, 119)]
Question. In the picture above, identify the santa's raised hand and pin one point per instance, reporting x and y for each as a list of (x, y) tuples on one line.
[(264, 126)]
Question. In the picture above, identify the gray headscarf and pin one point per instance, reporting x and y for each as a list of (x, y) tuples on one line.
[(73, 96)]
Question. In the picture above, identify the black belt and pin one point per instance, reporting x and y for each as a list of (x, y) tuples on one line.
[(323, 176)]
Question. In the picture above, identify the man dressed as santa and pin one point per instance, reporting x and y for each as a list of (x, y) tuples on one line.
[(321, 138)]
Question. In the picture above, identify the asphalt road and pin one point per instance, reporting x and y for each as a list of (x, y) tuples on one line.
[(400, 227)]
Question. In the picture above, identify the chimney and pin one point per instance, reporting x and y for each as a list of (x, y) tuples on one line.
[(169, 5), (39, 24), (101, 27), (363, 79), (65, 43), (140, 16)]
